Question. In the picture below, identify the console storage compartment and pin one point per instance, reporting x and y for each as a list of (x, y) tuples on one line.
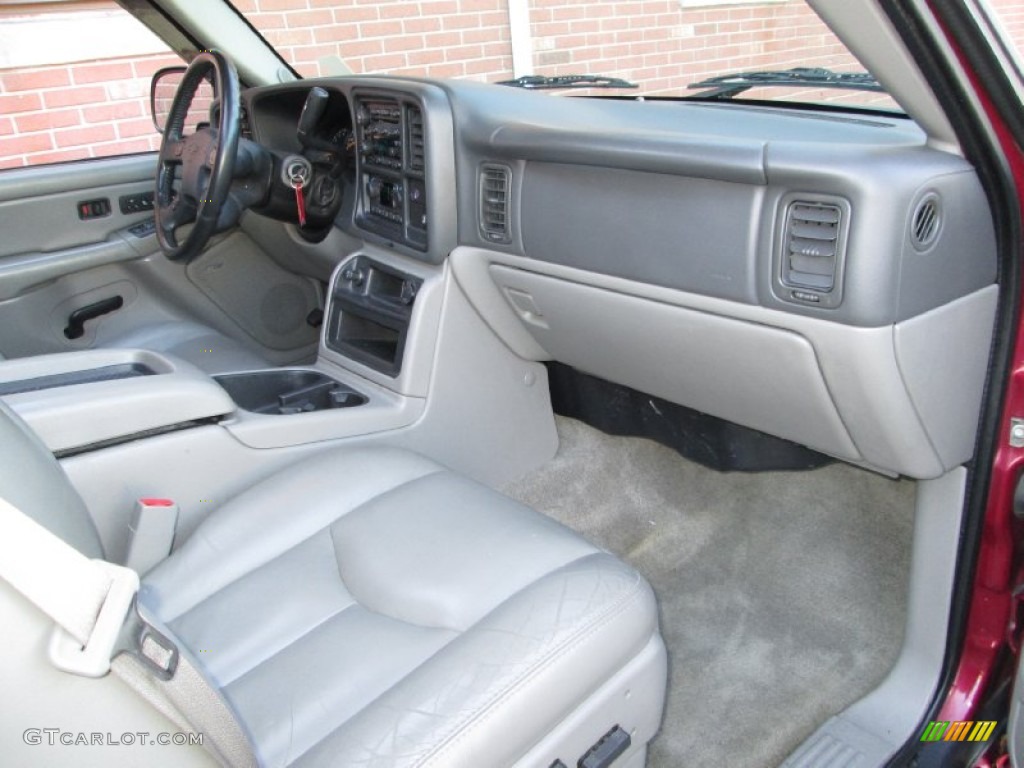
[(290, 391), (369, 315)]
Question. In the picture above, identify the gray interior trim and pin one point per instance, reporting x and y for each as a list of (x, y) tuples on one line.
[(868, 33), (40, 181), (85, 414), (892, 431)]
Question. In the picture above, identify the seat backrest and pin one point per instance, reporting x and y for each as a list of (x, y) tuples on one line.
[(33, 481)]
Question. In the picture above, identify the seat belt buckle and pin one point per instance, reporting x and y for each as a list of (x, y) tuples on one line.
[(93, 659)]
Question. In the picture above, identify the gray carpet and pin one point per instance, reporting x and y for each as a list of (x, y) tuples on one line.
[(782, 594)]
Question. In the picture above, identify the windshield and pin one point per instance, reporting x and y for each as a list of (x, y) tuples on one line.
[(662, 48)]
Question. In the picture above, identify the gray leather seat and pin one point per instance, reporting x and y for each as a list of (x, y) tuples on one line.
[(200, 345), (370, 607)]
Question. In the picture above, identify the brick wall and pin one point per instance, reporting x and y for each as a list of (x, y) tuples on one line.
[(435, 38), (71, 112), (86, 107)]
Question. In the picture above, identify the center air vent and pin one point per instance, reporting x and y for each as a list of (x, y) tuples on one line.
[(811, 252), (494, 203), (415, 118), (924, 226)]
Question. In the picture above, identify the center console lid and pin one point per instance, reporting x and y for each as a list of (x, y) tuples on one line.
[(76, 400)]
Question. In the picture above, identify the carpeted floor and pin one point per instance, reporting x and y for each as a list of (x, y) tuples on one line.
[(782, 594)]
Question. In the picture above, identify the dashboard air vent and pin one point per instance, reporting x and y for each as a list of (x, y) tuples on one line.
[(494, 203), (415, 118), (924, 226), (811, 245)]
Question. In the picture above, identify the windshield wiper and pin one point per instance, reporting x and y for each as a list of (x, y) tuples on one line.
[(727, 86), (544, 82)]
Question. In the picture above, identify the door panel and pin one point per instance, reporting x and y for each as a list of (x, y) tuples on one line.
[(53, 263), (39, 206)]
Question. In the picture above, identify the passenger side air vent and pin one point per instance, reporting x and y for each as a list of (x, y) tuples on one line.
[(811, 252), (924, 226), (495, 187), (415, 118)]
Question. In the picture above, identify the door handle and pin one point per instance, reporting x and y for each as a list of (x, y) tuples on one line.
[(78, 318)]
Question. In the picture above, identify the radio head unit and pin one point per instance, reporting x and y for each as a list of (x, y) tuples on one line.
[(392, 166)]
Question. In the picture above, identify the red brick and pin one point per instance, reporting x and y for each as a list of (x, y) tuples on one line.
[(6, 126), (17, 102), (426, 57), (384, 62), (30, 81), (335, 33), (12, 162), (45, 121), (119, 110), (398, 10), (101, 73), (380, 28), (72, 137), (302, 19), (351, 15), (282, 5), (354, 48), (60, 156), (404, 43), (75, 96), (21, 145), (265, 21), (129, 129), (428, 24)]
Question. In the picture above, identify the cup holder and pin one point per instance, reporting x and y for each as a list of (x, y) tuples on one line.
[(285, 392)]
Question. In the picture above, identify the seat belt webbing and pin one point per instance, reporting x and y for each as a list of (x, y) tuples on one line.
[(62, 582), (92, 601)]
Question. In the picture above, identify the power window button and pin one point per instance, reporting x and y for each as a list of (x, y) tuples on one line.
[(93, 209)]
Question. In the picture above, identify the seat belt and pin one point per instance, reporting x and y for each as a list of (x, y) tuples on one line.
[(93, 604)]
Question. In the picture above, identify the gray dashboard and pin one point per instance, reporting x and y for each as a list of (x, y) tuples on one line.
[(696, 197), (847, 217), (825, 277)]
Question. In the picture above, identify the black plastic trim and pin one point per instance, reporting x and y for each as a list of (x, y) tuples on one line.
[(706, 440)]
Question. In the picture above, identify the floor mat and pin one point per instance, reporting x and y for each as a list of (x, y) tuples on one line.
[(782, 594)]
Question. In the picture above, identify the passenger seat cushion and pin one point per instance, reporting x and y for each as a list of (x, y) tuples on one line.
[(372, 605)]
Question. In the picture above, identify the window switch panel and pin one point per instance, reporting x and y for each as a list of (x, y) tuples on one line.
[(137, 203), (93, 209)]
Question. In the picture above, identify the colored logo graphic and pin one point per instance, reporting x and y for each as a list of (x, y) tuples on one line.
[(963, 730)]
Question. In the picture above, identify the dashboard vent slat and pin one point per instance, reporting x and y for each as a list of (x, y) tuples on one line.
[(416, 140), (924, 228), (495, 190), (811, 245)]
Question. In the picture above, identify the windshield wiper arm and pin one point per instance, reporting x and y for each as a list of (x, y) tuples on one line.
[(727, 86), (545, 82)]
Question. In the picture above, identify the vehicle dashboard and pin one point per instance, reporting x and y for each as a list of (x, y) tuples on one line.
[(820, 276)]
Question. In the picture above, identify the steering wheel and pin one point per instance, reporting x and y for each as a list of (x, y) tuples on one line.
[(207, 160)]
